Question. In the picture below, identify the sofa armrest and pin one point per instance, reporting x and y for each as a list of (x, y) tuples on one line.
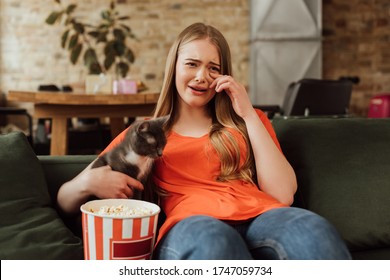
[(58, 170)]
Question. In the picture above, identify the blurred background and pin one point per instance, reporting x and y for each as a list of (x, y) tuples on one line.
[(340, 38)]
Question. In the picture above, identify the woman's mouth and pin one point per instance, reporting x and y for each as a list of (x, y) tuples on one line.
[(198, 90)]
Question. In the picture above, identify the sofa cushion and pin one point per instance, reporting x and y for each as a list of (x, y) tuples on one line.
[(30, 227), (343, 171)]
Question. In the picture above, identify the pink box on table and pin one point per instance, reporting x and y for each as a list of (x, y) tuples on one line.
[(125, 86)]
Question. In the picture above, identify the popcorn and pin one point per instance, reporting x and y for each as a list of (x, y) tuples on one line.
[(123, 211)]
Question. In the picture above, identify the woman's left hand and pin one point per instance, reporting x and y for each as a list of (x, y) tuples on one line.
[(236, 91)]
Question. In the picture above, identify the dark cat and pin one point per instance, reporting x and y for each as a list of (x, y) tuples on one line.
[(135, 155)]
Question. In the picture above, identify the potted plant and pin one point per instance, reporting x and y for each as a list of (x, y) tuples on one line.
[(101, 46)]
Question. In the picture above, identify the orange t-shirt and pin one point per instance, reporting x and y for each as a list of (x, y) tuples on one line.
[(188, 170)]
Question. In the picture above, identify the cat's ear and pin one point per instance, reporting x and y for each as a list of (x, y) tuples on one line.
[(143, 127)]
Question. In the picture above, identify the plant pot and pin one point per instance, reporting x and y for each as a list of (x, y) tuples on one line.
[(98, 84)]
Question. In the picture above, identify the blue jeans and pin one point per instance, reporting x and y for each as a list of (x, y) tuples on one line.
[(282, 233)]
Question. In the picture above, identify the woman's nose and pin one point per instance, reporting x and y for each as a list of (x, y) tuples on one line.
[(201, 75)]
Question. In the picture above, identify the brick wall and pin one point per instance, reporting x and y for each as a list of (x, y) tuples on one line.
[(356, 40)]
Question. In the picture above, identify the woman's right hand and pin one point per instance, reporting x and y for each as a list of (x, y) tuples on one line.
[(101, 182)]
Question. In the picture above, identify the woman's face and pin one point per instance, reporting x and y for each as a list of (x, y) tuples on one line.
[(196, 60)]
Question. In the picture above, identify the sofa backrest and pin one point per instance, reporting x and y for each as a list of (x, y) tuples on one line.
[(60, 169), (343, 172)]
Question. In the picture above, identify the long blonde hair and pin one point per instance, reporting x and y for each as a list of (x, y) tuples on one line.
[(220, 107)]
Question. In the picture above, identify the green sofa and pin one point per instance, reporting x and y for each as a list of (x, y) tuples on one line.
[(342, 166)]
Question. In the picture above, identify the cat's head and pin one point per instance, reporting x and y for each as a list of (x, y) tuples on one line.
[(150, 139)]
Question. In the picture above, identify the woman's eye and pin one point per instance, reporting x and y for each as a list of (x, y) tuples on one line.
[(191, 64), (215, 69)]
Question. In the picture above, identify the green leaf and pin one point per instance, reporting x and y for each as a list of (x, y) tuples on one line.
[(91, 62), (118, 34), (109, 49), (132, 36), (69, 20), (105, 15), (64, 38), (73, 41), (89, 57), (75, 53), (95, 68), (102, 37), (94, 34), (109, 61), (122, 68), (128, 29), (53, 17), (103, 26), (78, 27), (70, 8), (130, 55), (119, 47), (124, 18)]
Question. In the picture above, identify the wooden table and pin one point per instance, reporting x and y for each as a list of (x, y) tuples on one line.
[(61, 106)]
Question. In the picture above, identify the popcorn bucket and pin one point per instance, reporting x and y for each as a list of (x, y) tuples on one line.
[(119, 229)]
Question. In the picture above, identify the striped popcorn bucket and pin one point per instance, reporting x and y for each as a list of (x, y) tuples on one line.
[(119, 236)]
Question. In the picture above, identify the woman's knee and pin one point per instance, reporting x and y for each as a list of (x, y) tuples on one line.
[(203, 237), (321, 238), (300, 234)]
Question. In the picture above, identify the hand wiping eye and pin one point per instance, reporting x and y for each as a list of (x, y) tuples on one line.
[(217, 79)]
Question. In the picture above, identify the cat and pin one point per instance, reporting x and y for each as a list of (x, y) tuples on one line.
[(143, 143)]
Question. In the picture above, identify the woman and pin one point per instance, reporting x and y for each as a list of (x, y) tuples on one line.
[(227, 186)]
